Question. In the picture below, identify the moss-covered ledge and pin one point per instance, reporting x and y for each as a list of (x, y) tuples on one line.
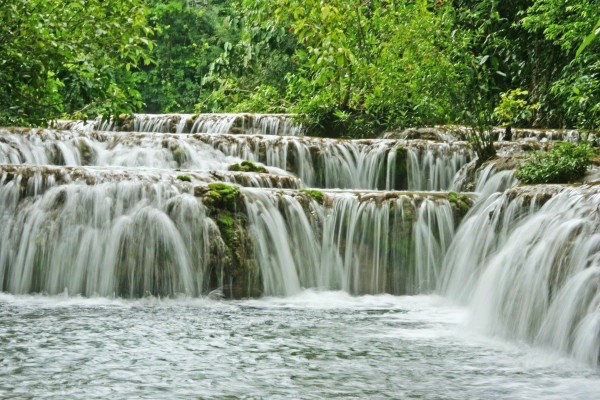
[(235, 264)]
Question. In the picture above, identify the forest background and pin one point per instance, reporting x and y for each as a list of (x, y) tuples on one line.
[(349, 68)]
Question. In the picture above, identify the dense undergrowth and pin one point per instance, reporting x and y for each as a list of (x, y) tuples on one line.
[(566, 162)]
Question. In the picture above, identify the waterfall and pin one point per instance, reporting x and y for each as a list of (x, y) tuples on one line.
[(263, 124), (155, 205), (326, 163), (359, 244), (351, 164), (126, 239), (132, 237), (528, 266)]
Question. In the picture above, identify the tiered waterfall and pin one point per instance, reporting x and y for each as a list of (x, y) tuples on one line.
[(245, 205)]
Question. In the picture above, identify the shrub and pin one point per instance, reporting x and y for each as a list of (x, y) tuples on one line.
[(564, 163)]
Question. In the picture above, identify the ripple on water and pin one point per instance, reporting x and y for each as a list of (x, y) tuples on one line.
[(315, 345)]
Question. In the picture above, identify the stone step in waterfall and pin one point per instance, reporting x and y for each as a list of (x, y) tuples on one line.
[(265, 124), (130, 235), (325, 163)]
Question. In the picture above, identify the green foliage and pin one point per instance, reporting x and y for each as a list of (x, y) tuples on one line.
[(564, 163), (315, 194), (479, 115), (188, 39), (365, 66), (572, 97), (345, 68), (69, 58), (248, 166), (184, 178), (595, 32), (513, 107), (249, 75)]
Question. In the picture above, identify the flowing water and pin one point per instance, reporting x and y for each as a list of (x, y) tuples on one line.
[(310, 346), (264, 124), (117, 250)]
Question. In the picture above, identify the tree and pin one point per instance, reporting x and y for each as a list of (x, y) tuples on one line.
[(367, 65), (69, 57), (189, 37)]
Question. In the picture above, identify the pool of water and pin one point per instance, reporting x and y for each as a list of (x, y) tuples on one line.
[(312, 346)]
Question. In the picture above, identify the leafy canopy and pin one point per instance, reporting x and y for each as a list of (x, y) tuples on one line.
[(69, 57)]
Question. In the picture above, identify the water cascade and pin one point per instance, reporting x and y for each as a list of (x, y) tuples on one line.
[(359, 243), (159, 205), (264, 124), (528, 263), (120, 234), (353, 164), (325, 163)]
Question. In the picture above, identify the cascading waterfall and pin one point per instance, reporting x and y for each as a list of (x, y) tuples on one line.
[(102, 213), (133, 237), (365, 164), (491, 181), (126, 239), (368, 164), (48, 146), (358, 244), (263, 124), (434, 167), (531, 271)]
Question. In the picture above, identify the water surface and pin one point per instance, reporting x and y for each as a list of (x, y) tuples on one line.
[(315, 345)]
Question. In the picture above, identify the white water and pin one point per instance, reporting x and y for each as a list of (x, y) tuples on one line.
[(48, 146), (532, 273), (351, 164), (126, 239), (355, 245), (313, 345), (263, 124), (326, 163), (524, 271), (110, 235)]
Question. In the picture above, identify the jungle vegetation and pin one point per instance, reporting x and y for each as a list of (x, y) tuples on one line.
[(345, 67)]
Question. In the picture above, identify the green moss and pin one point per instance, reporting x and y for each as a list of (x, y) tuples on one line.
[(248, 166), (317, 195), (459, 203), (401, 173), (222, 196), (452, 197), (184, 178), (225, 224)]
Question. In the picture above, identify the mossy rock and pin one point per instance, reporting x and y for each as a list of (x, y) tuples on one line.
[(401, 172), (248, 166), (225, 224), (234, 267), (315, 194), (461, 204), (184, 178), (222, 196)]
